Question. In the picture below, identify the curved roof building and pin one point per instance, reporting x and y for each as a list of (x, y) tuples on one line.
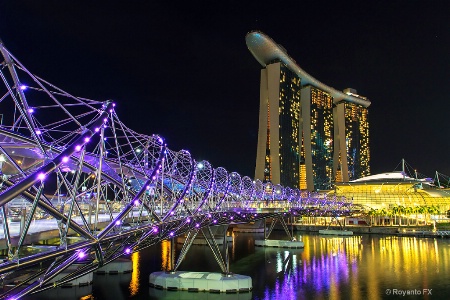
[(266, 50)]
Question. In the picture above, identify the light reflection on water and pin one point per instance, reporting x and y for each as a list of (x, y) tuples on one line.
[(329, 267), (357, 267), (134, 282)]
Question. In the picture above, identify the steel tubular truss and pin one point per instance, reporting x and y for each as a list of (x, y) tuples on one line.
[(69, 165)]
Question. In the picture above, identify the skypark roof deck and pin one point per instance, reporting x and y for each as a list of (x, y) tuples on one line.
[(266, 50)]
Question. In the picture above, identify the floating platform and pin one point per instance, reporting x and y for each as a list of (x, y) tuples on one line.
[(248, 229), (80, 281), (73, 293), (279, 243), (185, 295), (119, 266), (202, 241), (201, 282), (335, 232), (257, 226)]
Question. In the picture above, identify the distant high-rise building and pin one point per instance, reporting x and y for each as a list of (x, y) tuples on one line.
[(278, 139), (317, 127), (354, 130), (310, 134)]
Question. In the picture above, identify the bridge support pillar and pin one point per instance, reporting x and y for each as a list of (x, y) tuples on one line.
[(291, 243)]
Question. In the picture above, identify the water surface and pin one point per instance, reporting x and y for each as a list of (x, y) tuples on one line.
[(329, 267)]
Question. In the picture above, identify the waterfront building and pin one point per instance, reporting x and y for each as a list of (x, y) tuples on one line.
[(310, 135), (278, 141), (352, 126), (393, 189)]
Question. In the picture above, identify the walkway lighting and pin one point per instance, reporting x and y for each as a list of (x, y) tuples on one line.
[(41, 176), (127, 250)]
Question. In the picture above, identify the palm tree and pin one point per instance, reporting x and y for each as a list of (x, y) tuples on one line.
[(371, 213), (433, 210), (390, 213), (415, 210), (408, 211), (382, 213), (395, 210), (401, 211), (428, 211), (419, 210)]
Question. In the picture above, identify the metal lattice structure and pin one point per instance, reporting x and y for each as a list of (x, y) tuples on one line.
[(69, 165)]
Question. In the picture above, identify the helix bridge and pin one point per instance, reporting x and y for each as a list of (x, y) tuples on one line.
[(72, 172)]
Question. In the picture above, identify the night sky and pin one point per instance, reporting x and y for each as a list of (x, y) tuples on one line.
[(182, 69)]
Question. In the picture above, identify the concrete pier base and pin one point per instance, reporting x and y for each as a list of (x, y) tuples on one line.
[(335, 232), (72, 293), (201, 282), (80, 281), (257, 226), (279, 243), (185, 295), (202, 241), (119, 266)]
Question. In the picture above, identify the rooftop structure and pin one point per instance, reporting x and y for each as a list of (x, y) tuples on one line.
[(266, 50)]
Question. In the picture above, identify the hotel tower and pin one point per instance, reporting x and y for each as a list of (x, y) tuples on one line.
[(310, 135)]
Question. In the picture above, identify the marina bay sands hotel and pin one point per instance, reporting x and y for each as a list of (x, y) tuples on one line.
[(310, 135)]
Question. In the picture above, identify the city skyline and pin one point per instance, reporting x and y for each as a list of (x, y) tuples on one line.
[(181, 70)]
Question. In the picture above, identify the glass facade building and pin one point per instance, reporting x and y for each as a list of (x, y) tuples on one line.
[(289, 114), (310, 135), (317, 136), (357, 140), (278, 142), (305, 139)]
